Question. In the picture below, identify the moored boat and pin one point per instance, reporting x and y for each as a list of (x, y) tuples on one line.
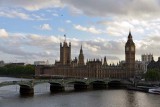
[(154, 90)]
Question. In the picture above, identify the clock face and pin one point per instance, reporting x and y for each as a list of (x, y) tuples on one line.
[(132, 48), (127, 48)]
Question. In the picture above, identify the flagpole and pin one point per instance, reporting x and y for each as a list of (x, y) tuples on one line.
[(65, 37)]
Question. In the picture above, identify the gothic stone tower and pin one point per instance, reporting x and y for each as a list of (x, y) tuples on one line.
[(81, 57), (130, 57), (65, 53)]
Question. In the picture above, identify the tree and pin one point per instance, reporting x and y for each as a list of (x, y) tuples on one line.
[(17, 70), (152, 75)]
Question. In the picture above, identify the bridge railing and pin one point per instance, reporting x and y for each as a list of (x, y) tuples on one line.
[(32, 83)]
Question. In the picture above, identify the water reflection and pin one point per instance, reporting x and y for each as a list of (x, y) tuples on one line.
[(130, 99)]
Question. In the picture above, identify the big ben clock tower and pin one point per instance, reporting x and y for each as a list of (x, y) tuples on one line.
[(130, 57)]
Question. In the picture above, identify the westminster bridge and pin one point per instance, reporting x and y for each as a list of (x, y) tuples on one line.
[(58, 85)]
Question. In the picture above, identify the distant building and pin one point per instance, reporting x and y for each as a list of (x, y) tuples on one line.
[(37, 63), (2, 63), (16, 64), (154, 64), (147, 57), (94, 68)]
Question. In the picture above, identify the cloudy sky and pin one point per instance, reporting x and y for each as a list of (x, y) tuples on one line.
[(31, 30)]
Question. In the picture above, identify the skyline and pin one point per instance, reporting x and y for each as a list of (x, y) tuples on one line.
[(32, 30)]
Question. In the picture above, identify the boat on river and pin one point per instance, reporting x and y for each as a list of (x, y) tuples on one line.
[(154, 90)]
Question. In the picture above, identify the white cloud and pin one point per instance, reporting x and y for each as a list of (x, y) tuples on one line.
[(91, 29), (68, 21), (47, 47), (46, 27), (31, 5), (3, 33), (38, 17), (18, 13), (61, 29), (91, 47), (55, 14), (15, 14)]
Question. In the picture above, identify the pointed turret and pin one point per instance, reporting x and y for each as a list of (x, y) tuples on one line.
[(130, 41), (81, 51), (105, 61), (130, 35), (81, 57)]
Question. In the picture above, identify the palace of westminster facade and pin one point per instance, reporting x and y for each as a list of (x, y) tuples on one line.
[(92, 69)]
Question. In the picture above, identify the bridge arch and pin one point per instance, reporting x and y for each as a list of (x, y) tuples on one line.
[(76, 82), (114, 84), (98, 84), (26, 90), (56, 87), (79, 85)]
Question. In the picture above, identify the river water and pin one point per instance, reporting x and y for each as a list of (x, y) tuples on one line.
[(9, 97)]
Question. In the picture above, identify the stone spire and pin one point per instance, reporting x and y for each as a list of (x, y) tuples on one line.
[(105, 61), (81, 57), (81, 51), (130, 41)]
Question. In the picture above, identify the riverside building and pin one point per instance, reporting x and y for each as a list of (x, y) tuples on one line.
[(94, 68)]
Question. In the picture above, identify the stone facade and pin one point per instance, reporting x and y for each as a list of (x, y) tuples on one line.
[(93, 68)]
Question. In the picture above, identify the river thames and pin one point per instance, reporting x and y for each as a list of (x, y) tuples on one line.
[(9, 97)]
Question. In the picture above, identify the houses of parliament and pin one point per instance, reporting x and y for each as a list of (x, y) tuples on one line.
[(92, 68)]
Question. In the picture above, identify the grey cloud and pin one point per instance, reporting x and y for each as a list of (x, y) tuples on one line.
[(134, 8), (116, 7), (156, 39), (149, 45), (12, 51), (108, 46), (92, 7), (98, 7)]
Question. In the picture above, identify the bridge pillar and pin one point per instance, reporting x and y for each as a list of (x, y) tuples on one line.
[(55, 87), (80, 87), (26, 90)]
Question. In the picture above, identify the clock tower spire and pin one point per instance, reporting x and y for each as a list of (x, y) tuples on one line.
[(130, 56)]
